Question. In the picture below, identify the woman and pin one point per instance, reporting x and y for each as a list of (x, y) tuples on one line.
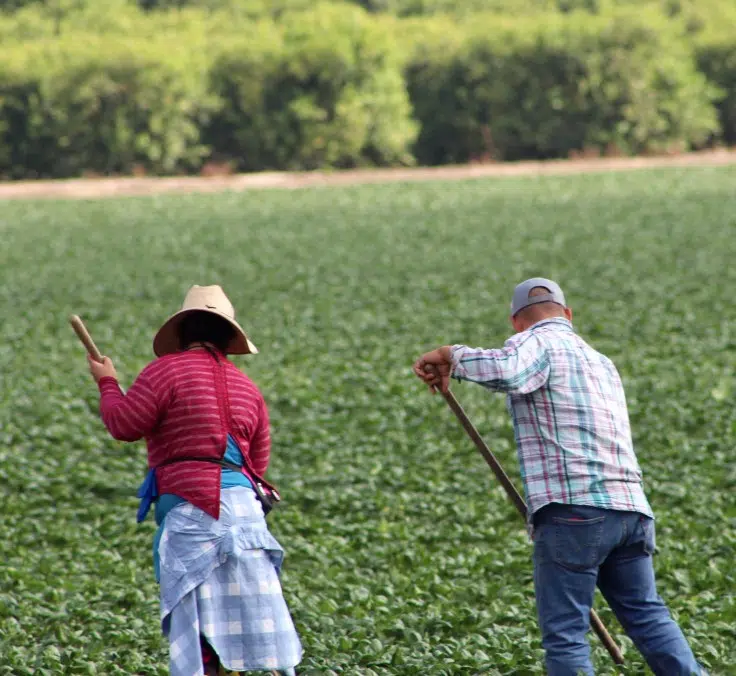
[(206, 427)]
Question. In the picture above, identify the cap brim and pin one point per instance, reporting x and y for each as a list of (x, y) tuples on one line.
[(166, 340)]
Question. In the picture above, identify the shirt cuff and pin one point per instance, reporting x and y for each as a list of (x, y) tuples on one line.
[(102, 384), (456, 354)]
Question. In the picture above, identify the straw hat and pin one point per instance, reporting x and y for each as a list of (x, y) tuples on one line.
[(210, 299)]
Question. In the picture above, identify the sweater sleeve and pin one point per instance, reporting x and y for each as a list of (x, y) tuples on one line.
[(131, 416), (260, 445)]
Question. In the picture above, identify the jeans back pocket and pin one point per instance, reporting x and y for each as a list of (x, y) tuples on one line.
[(577, 541), (650, 539)]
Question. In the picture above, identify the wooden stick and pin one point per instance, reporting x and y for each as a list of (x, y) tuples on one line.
[(81, 330), (520, 505)]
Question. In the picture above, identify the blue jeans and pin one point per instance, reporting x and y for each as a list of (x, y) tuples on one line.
[(577, 547)]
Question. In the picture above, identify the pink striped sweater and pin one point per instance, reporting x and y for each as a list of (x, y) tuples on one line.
[(173, 404)]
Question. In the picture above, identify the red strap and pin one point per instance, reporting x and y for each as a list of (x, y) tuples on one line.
[(226, 419)]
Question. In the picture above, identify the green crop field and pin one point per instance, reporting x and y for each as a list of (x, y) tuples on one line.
[(403, 555)]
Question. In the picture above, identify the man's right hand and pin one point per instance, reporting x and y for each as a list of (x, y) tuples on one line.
[(435, 368)]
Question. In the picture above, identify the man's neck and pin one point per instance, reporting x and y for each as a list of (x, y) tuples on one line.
[(548, 319)]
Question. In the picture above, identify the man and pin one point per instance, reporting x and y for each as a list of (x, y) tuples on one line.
[(591, 522)]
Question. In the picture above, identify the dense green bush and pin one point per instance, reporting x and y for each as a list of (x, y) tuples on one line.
[(100, 107), (85, 19), (546, 87), (695, 10), (712, 25), (428, 7), (239, 78), (107, 90), (336, 102), (506, 7), (246, 8), (716, 54), (697, 16), (18, 94), (12, 5), (54, 8)]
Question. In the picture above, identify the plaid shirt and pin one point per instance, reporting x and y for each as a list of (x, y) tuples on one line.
[(569, 413)]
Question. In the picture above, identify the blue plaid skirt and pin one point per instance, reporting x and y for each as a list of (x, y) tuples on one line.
[(220, 579)]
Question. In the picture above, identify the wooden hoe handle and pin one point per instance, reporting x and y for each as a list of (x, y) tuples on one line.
[(520, 505), (81, 330)]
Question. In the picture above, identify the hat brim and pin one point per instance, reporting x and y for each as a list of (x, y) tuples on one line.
[(166, 340)]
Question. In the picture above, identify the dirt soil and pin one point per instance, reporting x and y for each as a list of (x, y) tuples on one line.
[(95, 188)]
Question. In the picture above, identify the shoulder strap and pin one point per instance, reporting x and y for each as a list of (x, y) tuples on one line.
[(223, 401)]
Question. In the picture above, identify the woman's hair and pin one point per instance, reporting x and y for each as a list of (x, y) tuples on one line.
[(205, 327)]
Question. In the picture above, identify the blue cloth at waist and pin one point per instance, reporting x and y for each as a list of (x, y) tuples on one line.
[(148, 490), (164, 503)]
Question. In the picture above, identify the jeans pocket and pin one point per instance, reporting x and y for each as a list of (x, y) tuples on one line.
[(577, 542), (650, 540)]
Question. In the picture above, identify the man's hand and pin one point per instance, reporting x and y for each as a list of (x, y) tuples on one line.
[(103, 370), (440, 363)]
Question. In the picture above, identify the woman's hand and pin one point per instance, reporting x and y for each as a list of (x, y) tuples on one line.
[(440, 363), (103, 370)]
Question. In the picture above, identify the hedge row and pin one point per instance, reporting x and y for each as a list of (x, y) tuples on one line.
[(263, 8), (338, 87)]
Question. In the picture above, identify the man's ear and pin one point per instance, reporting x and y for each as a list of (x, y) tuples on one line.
[(515, 323), (568, 313)]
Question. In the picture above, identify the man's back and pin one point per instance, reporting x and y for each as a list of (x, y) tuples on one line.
[(570, 418)]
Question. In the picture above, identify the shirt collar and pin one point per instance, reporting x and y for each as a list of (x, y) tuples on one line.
[(561, 323)]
